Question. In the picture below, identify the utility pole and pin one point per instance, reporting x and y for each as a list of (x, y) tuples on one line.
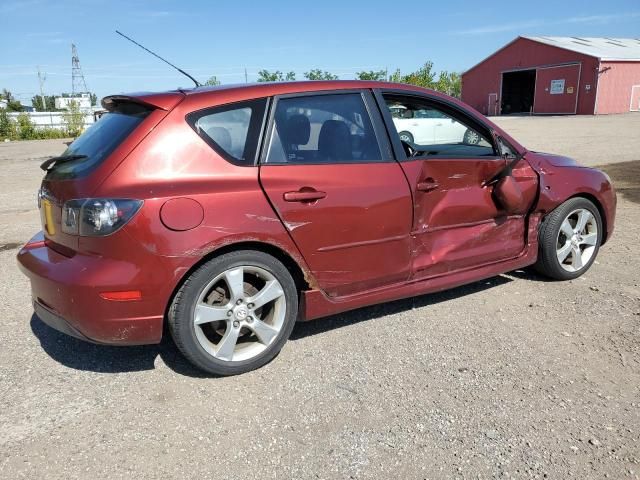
[(41, 78), (245, 76)]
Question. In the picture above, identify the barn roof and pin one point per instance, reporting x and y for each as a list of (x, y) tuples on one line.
[(603, 48)]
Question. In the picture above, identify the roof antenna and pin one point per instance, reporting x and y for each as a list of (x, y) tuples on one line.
[(198, 84)]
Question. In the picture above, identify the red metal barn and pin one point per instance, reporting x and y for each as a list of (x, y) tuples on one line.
[(557, 75)]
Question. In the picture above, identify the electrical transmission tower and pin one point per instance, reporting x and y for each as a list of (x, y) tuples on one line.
[(78, 85)]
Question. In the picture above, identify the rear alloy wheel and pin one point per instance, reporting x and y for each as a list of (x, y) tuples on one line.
[(234, 313), (569, 239)]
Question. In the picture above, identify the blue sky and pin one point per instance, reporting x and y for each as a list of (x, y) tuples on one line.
[(223, 37)]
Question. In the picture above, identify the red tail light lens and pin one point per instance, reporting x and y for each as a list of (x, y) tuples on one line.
[(97, 217)]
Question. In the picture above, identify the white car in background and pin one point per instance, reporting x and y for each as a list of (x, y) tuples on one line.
[(430, 127)]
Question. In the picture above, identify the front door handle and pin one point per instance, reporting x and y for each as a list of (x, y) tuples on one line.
[(428, 185), (304, 196)]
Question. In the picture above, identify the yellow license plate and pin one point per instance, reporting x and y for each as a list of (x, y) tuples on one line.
[(49, 224)]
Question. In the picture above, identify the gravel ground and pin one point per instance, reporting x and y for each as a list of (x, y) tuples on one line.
[(514, 377)]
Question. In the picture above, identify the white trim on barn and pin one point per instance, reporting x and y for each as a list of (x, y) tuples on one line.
[(495, 105), (631, 109)]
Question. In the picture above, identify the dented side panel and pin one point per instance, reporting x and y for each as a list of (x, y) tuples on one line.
[(357, 236), (458, 224)]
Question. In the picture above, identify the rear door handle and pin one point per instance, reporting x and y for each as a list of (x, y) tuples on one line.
[(304, 196), (428, 185)]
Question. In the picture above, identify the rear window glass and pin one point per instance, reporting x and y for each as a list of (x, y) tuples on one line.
[(231, 130), (98, 141)]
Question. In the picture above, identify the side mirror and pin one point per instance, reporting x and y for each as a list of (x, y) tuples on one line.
[(508, 195), (504, 149)]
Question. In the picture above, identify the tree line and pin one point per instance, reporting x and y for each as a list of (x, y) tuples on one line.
[(425, 76), (23, 128), (46, 103)]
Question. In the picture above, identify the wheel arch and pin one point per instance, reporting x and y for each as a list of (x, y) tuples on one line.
[(603, 215), (302, 280)]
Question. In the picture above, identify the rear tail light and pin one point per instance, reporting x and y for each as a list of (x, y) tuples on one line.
[(97, 217)]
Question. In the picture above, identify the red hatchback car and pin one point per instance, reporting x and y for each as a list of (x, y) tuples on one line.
[(232, 212)]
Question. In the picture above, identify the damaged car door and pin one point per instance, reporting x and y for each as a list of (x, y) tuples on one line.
[(328, 170), (458, 224)]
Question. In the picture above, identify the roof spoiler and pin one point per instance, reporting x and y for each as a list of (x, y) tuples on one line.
[(162, 101)]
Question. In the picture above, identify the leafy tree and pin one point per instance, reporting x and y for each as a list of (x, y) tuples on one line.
[(13, 105), (26, 128), (94, 99), (423, 77), (449, 83), (74, 119), (372, 75), (212, 82), (7, 126), (396, 77), (49, 103), (277, 76), (317, 74)]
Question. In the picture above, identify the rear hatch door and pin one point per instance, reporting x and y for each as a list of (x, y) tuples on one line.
[(87, 162)]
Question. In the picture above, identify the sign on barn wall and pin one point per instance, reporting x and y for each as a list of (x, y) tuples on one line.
[(557, 87)]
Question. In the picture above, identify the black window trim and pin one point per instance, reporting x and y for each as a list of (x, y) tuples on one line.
[(437, 103), (370, 104), (192, 117)]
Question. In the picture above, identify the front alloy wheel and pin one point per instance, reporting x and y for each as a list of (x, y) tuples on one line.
[(234, 313), (569, 238), (577, 240)]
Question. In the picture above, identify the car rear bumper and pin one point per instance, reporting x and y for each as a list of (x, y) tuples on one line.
[(66, 295)]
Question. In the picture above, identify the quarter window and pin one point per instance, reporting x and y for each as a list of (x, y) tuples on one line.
[(232, 130), (323, 129), (429, 129)]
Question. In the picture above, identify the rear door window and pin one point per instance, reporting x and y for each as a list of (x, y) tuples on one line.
[(99, 140), (232, 130), (326, 128)]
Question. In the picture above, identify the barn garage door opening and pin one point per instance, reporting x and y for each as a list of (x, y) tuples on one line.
[(518, 90)]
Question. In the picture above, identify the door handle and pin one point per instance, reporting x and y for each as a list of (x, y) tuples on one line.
[(428, 185), (304, 196)]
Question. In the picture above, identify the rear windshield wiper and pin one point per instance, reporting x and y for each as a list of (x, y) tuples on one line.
[(48, 164)]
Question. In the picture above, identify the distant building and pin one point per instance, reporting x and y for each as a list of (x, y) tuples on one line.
[(557, 75), (84, 101), (3, 103)]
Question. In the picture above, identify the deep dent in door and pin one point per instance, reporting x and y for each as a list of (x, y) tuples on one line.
[(459, 224)]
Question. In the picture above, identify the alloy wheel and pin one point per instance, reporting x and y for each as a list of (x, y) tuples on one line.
[(239, 313), (577, 240)]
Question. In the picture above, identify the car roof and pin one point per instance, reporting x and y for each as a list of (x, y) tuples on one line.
[(279, 88), (167, 99)]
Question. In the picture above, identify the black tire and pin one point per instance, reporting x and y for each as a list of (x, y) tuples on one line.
[(471, 137), (408, 136), (548, 263), (181, 311)]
